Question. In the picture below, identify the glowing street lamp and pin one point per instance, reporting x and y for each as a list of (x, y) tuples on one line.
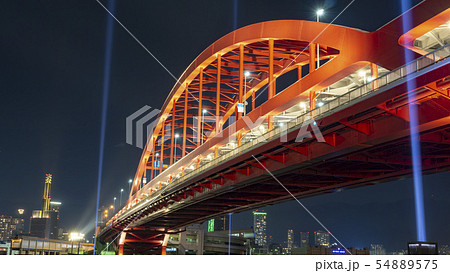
[(203, 120), (114, 208), (130, 182), (246, 74), (175, 147), (121, 192), (319, 12)]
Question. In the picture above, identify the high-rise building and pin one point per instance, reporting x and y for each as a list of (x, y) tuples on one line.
[(377, 249), (290, 239), (17, 226), (54, 219), (304, 239), (39, 227), (260, 227), (321, 238), (10, 227), (5, 222), (218, 223)]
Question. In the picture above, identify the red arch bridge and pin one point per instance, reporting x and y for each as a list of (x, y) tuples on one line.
[(320, 113)]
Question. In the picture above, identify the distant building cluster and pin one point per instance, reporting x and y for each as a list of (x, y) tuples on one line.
[(10, 227), (377, 249), (256, 240), (44, 235)]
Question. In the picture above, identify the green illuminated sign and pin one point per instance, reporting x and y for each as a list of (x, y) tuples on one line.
[(211, 225)]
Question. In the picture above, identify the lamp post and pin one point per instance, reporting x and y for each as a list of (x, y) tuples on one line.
[(203, 120), (175, 148), (114, 208), (246, 74), (319, 12), (121, 191), (156, 160), (130, 182)]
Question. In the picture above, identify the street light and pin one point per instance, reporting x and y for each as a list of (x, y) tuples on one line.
[(130, 182), (156, 160), (114, 209), (121, 191), (246, 74), (203, 120), (319, 12), (175, 147)]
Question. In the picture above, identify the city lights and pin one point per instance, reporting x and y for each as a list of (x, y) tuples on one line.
[(76, 236)]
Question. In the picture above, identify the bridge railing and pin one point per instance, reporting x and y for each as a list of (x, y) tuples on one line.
[(394, 75), (324, 110)]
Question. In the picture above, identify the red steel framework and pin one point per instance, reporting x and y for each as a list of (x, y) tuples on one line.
[(371, 135)]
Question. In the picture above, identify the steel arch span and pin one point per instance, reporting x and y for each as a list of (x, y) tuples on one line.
[(210, 170)]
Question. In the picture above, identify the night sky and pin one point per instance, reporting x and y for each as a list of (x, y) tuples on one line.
[(52, 58)]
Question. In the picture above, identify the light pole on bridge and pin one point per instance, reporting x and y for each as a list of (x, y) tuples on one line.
[(203, 120), (319, 12), (175, 148), (130, 182)]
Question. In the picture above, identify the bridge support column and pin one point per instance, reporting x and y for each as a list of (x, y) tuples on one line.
[(312, 57), (121, 243), (164, 244)]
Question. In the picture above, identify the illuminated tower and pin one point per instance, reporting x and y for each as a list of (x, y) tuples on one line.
[(259, 226), (40, 221), (290, 239), (46, 197)]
